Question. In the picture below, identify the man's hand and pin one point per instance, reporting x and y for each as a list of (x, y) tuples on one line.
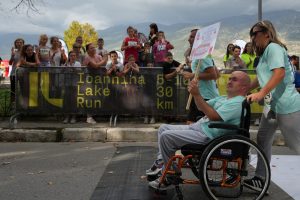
[(187, 75), (180, 68), (193, 88)]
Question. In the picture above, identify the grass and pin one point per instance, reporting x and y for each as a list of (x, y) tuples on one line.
[(5, 105)]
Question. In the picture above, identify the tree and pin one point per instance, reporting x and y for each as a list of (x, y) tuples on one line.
[(87, 31), (29, 5)]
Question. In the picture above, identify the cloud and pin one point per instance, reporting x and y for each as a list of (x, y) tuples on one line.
[(56, 15)]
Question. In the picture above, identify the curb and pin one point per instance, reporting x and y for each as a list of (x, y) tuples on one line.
[(97, 135)]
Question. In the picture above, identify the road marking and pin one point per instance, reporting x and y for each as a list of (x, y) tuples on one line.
[(286, 173)]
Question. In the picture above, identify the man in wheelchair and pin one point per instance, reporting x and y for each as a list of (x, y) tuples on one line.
[(224, 109)]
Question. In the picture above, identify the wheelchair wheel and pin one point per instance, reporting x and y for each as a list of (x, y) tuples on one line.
[(226, 163)]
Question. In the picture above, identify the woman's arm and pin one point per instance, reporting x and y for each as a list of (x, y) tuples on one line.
[(277, 77)]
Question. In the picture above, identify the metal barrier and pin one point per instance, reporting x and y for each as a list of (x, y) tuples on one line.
[(66, 90), (70, 90)]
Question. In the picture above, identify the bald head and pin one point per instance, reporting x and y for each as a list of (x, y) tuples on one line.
[(238, 84)]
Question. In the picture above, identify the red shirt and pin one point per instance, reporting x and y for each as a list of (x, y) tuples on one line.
[(131, 49)]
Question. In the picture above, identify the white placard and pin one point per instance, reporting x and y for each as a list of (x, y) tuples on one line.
[(205, 40)]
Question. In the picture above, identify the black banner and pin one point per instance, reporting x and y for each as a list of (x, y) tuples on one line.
[(83, 90)]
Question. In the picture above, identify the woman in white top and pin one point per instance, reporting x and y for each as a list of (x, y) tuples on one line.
[(56, 54)]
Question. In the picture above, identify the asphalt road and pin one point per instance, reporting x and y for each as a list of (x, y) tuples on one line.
[(73, 171)]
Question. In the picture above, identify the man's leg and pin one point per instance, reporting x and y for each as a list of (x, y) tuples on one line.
[(172, 140), (167, 127)]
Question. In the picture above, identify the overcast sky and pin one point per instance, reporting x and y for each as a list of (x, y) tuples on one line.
[(56, 15)]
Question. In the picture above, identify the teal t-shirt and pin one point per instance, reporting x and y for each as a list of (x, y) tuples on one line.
[(229, 110), (285, 98), (208, 88)]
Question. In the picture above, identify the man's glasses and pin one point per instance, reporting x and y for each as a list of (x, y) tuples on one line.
[(253, 34)]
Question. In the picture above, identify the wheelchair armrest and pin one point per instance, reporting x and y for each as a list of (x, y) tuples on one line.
[(223, 126), (229, 127)]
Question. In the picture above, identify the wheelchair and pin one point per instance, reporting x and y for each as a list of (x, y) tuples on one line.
[(222, 165)]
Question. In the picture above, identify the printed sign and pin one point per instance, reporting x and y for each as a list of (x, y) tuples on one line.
[(204, 42)]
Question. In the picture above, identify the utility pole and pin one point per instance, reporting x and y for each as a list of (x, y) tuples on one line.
[(259, 10)]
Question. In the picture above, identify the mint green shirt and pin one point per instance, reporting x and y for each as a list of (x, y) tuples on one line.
[(229, 110), (285, 98), (207, 88)]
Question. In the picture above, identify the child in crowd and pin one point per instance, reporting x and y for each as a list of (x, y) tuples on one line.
[(28, 57), (235, 62), (160, 48), (131, 66), (146, 57), (100, 50), (71, 63), (43, 51), (169, 65), (130, 45), (229, 52), (114, 67)]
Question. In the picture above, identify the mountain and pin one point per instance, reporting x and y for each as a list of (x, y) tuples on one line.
[(232, 28)]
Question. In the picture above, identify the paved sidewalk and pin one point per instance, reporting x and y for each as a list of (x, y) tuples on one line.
[(51, 130)]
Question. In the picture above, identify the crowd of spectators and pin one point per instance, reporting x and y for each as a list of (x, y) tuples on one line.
[(139, 51)]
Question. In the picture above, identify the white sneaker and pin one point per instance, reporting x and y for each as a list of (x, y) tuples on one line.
[(73, 120), (90, 120), (66, 120), (152, 121), (146, 120), (256, 123), (160, 185)]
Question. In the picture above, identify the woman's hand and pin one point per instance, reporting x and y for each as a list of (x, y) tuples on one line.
[(255, 97)]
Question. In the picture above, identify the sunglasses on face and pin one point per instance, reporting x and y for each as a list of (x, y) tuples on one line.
[(253, 34)]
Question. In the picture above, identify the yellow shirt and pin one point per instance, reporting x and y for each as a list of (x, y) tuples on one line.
[(248, 60)]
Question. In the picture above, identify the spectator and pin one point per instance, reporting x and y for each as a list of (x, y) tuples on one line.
[(100, 50), (14, 60), (63, 53), (160, 48), (235, 62), (71, 63), (187, 52), (79, 41), (93, 61), (57, 56), (295, 63), (146, 57), (131, 45), (131, 67), (28, 57), (282, 101), (79, 55), (114, 67), (248, 56), (229, 53), (208, 73), (169, 66), (224, 109), (153, 34), (43, 51)]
